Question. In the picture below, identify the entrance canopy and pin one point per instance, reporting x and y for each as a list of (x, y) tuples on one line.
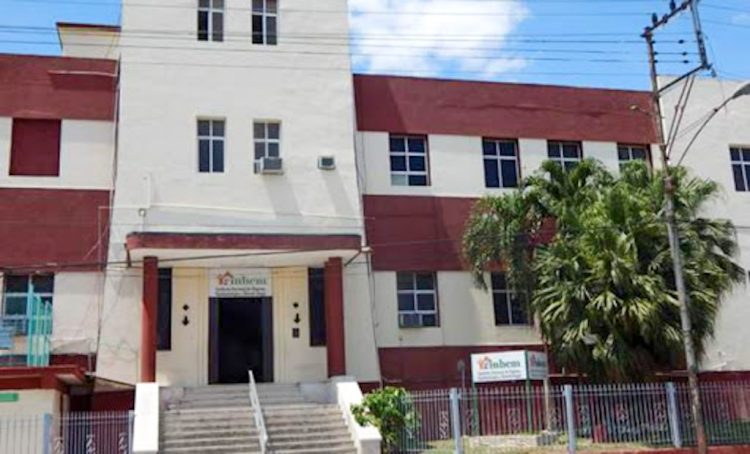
[(248, 250)]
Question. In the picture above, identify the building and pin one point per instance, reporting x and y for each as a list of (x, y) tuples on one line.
[(720, 153), (57, 141), (242, 202)]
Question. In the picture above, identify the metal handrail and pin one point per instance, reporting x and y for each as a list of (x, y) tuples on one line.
[(260, 423)]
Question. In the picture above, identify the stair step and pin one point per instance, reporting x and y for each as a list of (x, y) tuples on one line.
[(247, 448), (310, 436), (303, 407), (313, 426), (336, 450), (213, 410), (169, 434), (210, 441)]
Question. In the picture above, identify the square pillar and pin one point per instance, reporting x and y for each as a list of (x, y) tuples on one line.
[(148, 318), (334, 306)]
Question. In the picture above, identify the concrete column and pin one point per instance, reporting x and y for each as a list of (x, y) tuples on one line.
[(334, 304), (148, 318)]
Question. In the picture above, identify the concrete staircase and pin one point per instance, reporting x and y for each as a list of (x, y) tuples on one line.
[(297, 425), (209, 419), (218, 419)]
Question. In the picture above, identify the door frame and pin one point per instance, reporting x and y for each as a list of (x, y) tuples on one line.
[(266, 343)]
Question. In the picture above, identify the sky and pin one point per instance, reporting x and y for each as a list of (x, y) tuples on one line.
[(566, 42)]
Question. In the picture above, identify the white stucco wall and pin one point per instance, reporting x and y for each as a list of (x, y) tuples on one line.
[(88, 42), (466, 316), (86, 156), (709, 158), (32, 402), (457, 165)]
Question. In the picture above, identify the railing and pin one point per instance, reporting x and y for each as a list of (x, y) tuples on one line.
[(648, 415), (73, 433), (260, 423)]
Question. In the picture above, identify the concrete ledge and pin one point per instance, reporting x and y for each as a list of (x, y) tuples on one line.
[(146, 424), (345, 392)]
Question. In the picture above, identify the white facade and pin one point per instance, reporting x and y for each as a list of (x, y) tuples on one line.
[(709, 157), (167, 85)]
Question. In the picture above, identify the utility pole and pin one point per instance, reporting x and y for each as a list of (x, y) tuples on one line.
[(669, 194)]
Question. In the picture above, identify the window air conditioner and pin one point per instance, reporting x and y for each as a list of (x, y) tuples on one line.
[(326, 162), (269, 166)]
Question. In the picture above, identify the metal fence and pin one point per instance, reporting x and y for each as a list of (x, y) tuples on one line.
[(72, 433), (651, 415)]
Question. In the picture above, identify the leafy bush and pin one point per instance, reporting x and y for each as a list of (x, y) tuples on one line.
[(391, 411)]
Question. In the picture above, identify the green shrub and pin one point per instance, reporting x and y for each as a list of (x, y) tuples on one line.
[(391, 411)]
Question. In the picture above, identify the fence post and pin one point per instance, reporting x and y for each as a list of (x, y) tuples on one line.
[(456, 421), (47, 434), (570, 418), (674, 415)]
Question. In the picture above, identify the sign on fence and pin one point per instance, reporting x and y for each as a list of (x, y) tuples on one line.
[(509, 366)]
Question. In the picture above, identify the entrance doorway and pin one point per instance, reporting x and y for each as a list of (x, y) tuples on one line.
[(241, 339)]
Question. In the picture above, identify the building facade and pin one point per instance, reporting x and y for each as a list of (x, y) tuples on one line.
[(207, 190)]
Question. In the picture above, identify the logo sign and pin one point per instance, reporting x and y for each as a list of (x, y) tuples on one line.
[(239, 283), (508, 366)]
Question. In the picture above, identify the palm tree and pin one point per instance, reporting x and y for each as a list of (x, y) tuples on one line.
[(591, 252)]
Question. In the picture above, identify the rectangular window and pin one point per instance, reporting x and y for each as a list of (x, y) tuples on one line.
[(316, 287), (509, 308), (211, 146), (16, 293), (35, 148), (265, 22), (501, 167), (267, 137), (741, 168), (409, 165), (164, 311), (417, 299), (210, 20), (567, 154), (627, 153)]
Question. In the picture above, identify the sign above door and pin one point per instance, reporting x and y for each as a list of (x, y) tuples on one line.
[(239, 283)]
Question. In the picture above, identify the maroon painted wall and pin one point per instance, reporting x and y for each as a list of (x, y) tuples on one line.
[(433, 106), (52, 226), (35, 147), (57, 87), (409, 233)]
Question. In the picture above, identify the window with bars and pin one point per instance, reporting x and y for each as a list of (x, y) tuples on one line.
[(417, 299), (210, 20), (627, 153), (267, 137), (211, 146), (501, 169), (409, 165), (15, 297), (741, 167), (265, 22), (567, 154), (509, 308)]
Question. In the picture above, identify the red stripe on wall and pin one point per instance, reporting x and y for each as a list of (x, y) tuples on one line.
[(52, 227), (416, 233), (434, 106), (57, 87)]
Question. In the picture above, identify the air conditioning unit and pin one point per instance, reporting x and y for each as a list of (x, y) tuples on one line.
[(269, 166), (326, 162)]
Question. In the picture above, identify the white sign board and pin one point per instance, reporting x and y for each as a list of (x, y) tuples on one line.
[(508, 366), (239, 283)]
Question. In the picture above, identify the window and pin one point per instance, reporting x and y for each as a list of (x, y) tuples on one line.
[(210, 20), (567, 154), (417, 299), (409, 160), (627, 153), (211, 146), (164, 311), (265, 17), (509, 308), (35, 148), (17, 288), (267, 136), (316, 287), (741, 167), (500, 163)]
